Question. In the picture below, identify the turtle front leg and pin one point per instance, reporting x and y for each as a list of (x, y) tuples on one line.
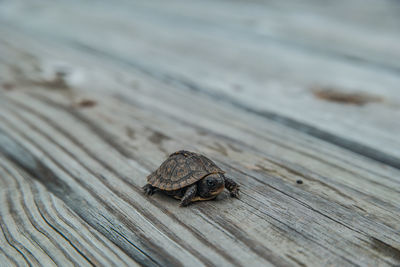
[(232, 187), (149, 189), (189, 195)]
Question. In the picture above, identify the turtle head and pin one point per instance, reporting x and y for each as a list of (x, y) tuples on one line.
[(211, 185)]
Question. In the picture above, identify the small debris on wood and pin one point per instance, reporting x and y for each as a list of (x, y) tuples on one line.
[(158, 137), (299, 182), (8, 86), (57, 83), (350, 98), (87, 103), (130, 132)]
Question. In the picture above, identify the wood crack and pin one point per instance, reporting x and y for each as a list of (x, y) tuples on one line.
[(65, 237), (22, 253), (137, 189), (104, 181), (38, 172)]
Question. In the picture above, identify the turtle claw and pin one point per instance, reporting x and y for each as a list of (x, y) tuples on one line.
[(183, 204), (235, 192), (148, 190), (232, 187), (189, 194)]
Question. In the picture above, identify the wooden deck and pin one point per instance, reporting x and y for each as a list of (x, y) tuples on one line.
[(95, 94)]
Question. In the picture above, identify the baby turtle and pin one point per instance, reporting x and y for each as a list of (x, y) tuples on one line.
[(190, 177)]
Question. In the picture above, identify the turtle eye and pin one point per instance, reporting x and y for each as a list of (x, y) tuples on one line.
[(210, 183)]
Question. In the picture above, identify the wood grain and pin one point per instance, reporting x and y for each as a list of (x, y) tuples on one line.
[(81, 127), (260, 68), (39, 229)]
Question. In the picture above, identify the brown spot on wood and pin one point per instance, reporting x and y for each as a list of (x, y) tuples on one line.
[(349, 98), (8, 86), (87, 103), (385, 249), (57, 83), (158, 137), (130, 133)]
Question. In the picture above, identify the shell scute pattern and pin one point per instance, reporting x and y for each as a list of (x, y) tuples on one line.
[(181, 169)]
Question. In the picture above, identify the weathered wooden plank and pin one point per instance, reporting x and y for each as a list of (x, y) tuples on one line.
[(217, 56), (237, 216), (340, 29), (38, 229), (166, 241), (344, 213), (91, 133), (332, 30), (155, 97)]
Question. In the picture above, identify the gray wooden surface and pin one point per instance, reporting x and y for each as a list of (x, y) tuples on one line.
[(95, 94)]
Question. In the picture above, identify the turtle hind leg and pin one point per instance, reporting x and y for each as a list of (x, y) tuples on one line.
[(149, 189), (232, 187), (189, 195)]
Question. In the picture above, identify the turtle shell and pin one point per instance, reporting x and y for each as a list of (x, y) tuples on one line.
[(181, 169)]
